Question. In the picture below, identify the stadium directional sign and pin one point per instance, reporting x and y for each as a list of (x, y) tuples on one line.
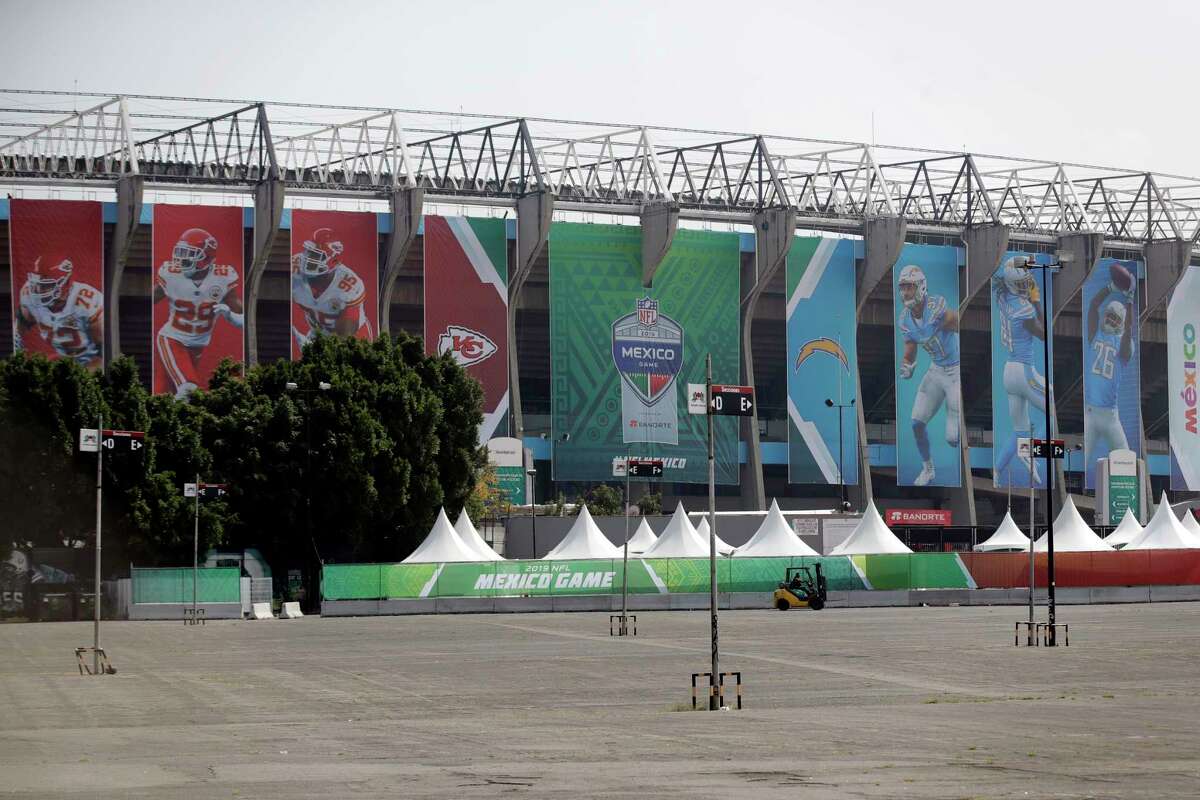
[(645, 467), (91, 440), (208, 491), (1054, 448), (727, 400)]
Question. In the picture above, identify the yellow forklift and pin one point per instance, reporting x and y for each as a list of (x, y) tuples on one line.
[(802, 588)]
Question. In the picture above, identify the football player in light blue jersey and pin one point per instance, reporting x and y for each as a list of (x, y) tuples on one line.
[(1110, 334), (1016, 296), (927, 323)]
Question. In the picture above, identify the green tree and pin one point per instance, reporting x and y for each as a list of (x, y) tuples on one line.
[(604, 501), (650, 503)]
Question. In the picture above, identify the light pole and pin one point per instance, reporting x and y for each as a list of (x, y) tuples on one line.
[(841, 482), (532, 473), (322, 386), (1047, 448)]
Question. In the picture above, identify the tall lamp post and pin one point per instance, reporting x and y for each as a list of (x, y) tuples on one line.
[(532, 473), (322, 386), (841, 447)]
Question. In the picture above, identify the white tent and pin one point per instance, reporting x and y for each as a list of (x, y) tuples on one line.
[(1007, 538), (1164, 532), (702, 530), (678, 540), (642, 538), (1126, 532), (471, 538), (1190, 523), (774, 538), (871, 536), (1071, 533), (584, 540), (442, 544)]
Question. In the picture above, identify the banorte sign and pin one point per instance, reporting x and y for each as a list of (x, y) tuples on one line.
[(942, 518)]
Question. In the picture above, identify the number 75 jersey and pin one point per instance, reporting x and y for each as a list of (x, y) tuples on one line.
[(191, 305)]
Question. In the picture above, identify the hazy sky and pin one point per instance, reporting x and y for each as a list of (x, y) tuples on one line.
[(1097, 82)]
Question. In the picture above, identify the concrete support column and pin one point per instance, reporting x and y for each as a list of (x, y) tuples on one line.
[(534, 212), (986, 245), (129, 214), (883, 238), (774, 229), (1166, 261), (268, 214), (659, 223), (406, 205)]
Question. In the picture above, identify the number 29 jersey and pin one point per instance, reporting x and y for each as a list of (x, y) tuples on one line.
[(191, 305)]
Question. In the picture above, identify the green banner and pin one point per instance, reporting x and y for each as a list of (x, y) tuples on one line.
[(1122, 494), (174, 584), (646, 576), (622, 355)]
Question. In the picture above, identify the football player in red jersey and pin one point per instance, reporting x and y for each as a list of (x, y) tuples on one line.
[(68, 314), (331, 293)]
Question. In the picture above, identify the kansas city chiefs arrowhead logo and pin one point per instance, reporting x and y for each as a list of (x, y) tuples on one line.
[(467, 346)]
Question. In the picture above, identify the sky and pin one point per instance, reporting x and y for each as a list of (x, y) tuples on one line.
[(1092, 82)]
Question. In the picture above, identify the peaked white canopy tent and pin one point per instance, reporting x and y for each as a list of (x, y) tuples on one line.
[(442, 544), (774, 538), (471, 538), (642, 538), (678, 540), (1190, 523), (1071, 533), (584, 540), (1008, 538), (702, 530), (870, 537), (1164, 532), (1126, 531)]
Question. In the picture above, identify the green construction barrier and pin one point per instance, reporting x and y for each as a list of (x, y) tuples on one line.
[(174, 585)]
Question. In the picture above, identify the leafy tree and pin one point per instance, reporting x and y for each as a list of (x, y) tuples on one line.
[(650, 503), (604, 501), (486, 500)]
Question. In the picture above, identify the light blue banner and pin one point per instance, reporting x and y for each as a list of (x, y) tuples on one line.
[(822, 365), (928, 392)]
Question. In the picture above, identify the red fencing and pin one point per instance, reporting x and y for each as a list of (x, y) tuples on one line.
[(1119, 568)]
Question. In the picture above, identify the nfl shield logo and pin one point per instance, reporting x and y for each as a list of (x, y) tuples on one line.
[(647, 312)]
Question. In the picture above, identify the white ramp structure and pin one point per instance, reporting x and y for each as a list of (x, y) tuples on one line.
[(471, 538), (1071, 534), (872, 536), (443, 544), (774, 539), (702, 530), (643, 538), (1008, 538), (261, 611), (290, 611), (584, 540), (1126, 532), (678, 540), (1164, 532)]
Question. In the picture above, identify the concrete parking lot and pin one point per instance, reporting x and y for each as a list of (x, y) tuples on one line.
[(843, 703)]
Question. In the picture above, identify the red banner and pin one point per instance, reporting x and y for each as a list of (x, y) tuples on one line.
[(466, 306), (942, 518), (57, 258), (335, 275), (198, 262)]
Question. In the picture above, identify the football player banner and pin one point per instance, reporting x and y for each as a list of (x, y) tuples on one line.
[(1019, 368), (1183, 390), (928, 394), (1112, 388), (822, 362), (622, 355), (57, 272), (197, 261), (335, 275), (466, 306)]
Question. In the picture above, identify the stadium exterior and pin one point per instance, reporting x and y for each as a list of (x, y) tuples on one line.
[(134, 151)]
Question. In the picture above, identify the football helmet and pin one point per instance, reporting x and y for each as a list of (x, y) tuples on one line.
[(50, 278), (194, 252), (1018, 280), (913, 286), (1114, 318), (321, 253)]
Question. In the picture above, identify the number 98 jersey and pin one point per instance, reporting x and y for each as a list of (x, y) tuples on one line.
[(191, 317)]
